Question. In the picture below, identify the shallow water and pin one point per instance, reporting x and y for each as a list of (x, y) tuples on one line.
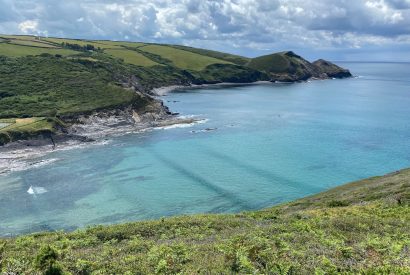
[(265, 144)]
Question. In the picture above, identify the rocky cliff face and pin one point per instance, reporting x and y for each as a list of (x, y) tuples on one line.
[(290, 67), (329, 69)]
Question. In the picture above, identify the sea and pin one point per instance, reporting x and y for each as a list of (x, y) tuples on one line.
[(256, 146)]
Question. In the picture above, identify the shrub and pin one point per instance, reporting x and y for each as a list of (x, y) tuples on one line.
[(46, 261), (336, 203), (168, 259)]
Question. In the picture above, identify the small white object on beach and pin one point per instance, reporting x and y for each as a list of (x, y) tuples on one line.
[(36, 190)]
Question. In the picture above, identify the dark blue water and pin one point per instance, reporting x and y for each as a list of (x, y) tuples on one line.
[(271, 143)]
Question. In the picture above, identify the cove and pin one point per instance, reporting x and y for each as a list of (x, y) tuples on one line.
[(260, 145)]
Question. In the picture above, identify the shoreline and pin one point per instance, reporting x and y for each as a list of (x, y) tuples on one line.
[(163, 91), (25, 154)]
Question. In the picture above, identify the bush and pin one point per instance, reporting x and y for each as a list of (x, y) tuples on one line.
[(336, 203), (46, 261), (168, 259)]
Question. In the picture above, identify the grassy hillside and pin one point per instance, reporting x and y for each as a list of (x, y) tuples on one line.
[(131, 57), (182, 59), (12, 50), (362, 227), (41, 77), (49, 86), (276, 63)]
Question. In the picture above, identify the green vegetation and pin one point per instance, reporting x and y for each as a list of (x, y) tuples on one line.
[(182, 59), (358, 228), (60, 41), (236, 59), (49, 86), (32, 43), (25, 128), (276, 63), (12, 50), (121, 44), (131, 57)]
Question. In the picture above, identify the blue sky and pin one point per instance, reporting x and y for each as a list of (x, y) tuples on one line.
[(377, 30)]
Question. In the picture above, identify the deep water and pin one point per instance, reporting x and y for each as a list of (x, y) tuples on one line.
[(265, 144)]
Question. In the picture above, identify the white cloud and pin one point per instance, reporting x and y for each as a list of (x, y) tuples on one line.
[(28, 26), (222, 24)]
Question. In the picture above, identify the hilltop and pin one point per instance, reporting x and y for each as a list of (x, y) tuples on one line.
[(58, 82), (357, 228)]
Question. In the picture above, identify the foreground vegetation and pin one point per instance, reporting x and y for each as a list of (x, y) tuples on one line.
[(362, 227)]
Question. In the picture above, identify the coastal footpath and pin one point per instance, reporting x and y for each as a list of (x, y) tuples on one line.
[(54, 89), (357, 228)]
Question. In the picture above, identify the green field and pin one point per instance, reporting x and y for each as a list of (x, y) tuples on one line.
[(59, 41), (23, 37), (119, 44), (32, 43), (131, 57), (358, 228), (18, 50), (183, 59), (236, 59)]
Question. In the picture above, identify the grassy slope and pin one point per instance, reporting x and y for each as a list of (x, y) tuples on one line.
[(131, 57), (12, 50), (358, 227), (236, 59), (182, 59), (270, 63), (40, 44), (46, 86), (80, 81)]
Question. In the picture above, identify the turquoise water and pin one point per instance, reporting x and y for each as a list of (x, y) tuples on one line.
[(272, 143)]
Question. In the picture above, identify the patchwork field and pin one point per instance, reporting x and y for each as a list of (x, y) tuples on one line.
[(41, 44)]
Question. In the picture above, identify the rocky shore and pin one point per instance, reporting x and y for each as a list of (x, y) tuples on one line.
[(87, 130)]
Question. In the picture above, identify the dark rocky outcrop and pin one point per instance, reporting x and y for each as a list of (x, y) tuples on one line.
[(290, 67), (330, 69)]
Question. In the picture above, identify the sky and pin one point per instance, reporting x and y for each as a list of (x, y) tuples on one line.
[(350, 30)]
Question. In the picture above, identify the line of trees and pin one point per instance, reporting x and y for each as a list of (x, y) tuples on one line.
[(78, 47)]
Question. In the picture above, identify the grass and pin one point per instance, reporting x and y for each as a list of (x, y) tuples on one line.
[(120, 44), (131, 57), (11, 50), (59, 41), (25, 37), (49, 86), (29, 124), (276, 63), (236, 59), (25, 128), (183, 59), (32, 43), (366, 232)]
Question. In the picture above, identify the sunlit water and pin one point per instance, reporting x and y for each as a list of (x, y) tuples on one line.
[(267, 144)]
